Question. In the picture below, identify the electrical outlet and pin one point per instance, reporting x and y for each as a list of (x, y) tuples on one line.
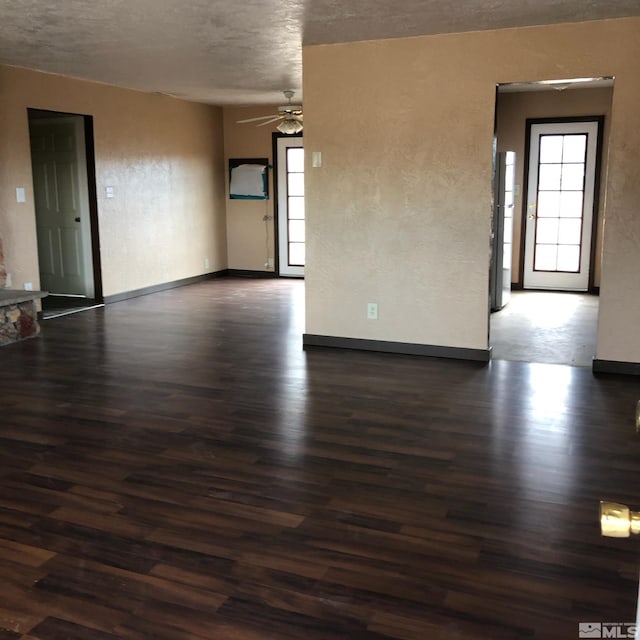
[(206, 263), (28, 286), (372, 310), (270, 263)]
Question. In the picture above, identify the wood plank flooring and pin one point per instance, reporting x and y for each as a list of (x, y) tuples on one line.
[(176, 466)]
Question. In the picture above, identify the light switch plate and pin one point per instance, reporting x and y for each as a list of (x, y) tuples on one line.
[(21, 194), (316, 158), (109, 192)]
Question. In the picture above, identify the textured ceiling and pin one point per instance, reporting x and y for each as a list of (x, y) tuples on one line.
[(240, 52)]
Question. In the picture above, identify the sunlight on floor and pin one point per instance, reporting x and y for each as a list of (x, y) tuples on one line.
[(549, 310), (546, 327)]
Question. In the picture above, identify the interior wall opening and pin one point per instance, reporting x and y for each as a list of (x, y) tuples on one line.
[(63, 168), (552, 317)]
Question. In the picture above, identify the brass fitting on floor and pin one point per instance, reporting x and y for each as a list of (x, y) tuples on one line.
[(618, 521)]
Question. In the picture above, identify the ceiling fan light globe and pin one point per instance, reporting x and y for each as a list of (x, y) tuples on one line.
[(289, 127)]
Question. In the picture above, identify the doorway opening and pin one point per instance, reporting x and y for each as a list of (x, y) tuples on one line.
[(63, 168), (558, 132), (290, 205)]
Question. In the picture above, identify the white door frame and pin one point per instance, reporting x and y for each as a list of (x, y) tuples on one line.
[(559, 280), (282, 250)]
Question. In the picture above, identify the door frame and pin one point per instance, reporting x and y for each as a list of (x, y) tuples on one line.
[(595, 218), (92, 194), (275, 136)]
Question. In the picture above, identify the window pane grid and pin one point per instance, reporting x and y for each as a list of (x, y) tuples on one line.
[(560, 197), (295, 207)]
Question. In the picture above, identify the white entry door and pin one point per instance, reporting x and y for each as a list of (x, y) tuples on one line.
[(560, 201), (291, 223), (62, 207)]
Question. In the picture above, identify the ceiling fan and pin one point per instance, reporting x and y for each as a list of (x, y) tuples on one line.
[(289, 114)]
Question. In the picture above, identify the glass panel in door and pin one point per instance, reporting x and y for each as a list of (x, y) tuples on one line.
[(560, 192), (291, 210)]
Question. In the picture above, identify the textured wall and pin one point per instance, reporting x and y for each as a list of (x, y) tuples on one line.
[(250, 239), (164, 158), (512, 113), (3, 271), (399, 214)]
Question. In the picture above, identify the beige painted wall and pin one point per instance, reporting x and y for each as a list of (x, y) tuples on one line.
[(399, 214), (250, 239), (513, 109), (164, 158)]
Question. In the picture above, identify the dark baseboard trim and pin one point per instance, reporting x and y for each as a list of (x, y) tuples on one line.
[(517, 286), (248, 273), (614, 366), (405, 348), (126, 295)]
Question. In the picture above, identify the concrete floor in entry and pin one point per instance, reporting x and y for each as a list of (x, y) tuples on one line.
[(549, 327)]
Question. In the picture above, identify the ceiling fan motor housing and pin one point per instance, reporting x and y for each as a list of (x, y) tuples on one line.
[(290, 114)]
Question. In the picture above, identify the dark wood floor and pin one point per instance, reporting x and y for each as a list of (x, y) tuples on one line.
[(175, 466)]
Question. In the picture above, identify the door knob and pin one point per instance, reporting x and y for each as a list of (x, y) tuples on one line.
[(77, 219), (618, 521)]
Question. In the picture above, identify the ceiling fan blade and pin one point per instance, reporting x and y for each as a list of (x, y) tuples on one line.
[(262, 124), (254, 119)]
